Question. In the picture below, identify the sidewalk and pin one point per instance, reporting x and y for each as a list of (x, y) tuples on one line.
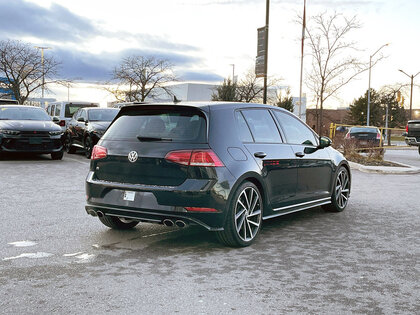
[(404, 169)]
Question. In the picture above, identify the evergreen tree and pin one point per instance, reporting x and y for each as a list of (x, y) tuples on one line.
[(358, 110), (286, 102), (225, 92)]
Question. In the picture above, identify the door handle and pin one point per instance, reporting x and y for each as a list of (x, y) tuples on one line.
[(260, 155), (300, 154)]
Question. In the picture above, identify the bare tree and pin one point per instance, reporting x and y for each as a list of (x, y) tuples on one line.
[(21, 69), (139, 77), (332, 64), (249, 89)]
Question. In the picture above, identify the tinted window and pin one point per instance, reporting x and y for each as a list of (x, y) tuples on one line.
[(72, 108), (102, 114), (156, 125), (296, 132), (23, 113), (243, 130), (361, 129), (57, 110), (262, 125)]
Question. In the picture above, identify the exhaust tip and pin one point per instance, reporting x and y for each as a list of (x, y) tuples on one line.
[(180, 223), (92, 213), (100, 214), (168, 222)]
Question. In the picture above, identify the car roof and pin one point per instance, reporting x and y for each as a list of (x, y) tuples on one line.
[(99, 108), (19, 106), (205, 106)]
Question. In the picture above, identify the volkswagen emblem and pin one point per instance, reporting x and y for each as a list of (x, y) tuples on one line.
[(133, 156)]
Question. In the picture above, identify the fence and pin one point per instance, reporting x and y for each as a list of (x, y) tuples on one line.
[(391, 137)]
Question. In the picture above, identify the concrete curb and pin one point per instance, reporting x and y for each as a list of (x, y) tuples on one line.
[(404, 169)]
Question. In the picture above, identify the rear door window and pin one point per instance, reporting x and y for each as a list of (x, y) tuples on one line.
[(160, 125), (243, 130), (262, 125)]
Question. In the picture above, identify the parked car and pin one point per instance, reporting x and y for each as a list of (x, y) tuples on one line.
[(119, 105), (412, 133), (224, 166), (6, 101), (365, 137), (65, 111), (86, 127), (29, 129)]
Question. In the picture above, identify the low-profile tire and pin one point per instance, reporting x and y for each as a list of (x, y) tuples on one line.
[(88, 146), (57, 155), (244, 217), (68, 146), (341, 191), (118, 223)]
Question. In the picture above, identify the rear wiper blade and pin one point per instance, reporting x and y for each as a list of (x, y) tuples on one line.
[(141, 138)]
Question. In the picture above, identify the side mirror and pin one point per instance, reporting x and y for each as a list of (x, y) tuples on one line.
[(81, 119), (324, 142), (55, 119)]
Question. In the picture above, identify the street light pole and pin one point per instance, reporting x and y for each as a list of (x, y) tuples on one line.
[(411, 92), (233, 72), (370, 67), (43, 67)]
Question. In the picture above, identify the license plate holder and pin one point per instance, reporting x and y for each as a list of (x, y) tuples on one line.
[(35, 140), (129, 195)]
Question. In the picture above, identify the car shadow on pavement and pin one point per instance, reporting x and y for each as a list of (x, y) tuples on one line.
[(6, 156)]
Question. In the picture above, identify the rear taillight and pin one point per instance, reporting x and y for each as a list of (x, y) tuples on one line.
[(204, 158), (98, 152), (378, 136), (197, 209), (406, 128), (347, 135), (62, 123)]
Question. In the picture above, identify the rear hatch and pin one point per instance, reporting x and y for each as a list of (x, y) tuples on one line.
[(414, 129), (149, 132), (364, 134)]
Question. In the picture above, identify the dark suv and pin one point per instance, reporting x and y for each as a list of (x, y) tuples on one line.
[(225, 166), (86, 128)]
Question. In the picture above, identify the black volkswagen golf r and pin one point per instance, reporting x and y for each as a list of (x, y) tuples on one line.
[(224, 166), (29, 129)]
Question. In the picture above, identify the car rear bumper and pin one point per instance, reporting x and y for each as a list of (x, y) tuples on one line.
[(156, 203), (412, 141)]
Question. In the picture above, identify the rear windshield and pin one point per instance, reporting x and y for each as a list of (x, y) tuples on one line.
[(23, 113), (360, 129), (159, 125), (72, 108), (106, 114)]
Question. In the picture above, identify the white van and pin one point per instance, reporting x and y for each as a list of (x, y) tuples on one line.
[(65, 110)]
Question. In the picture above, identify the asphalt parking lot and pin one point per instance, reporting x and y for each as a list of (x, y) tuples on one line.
[(56, 259)]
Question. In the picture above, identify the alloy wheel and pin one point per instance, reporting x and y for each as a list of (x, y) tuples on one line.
[(248, 214), (342, 188)]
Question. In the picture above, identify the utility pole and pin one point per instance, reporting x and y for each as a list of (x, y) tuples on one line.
[(267, 17), (233, 73), (43, 67), (411, 92), (301, 58)]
